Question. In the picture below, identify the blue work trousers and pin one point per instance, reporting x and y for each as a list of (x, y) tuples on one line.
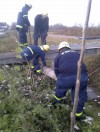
[(29, 56), (42, 36), (63, 84), (36, 63), (22, 37)]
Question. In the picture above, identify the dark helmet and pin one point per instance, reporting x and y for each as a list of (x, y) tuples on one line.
[(28, 5)]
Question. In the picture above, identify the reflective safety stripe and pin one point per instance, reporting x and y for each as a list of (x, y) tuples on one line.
[(67, 52), (32, 66), (25, 54), (18, 26), (30, 50), (38, 71), (79, 114), (25, 15), (57, 98), (23, 45), (25, 24)]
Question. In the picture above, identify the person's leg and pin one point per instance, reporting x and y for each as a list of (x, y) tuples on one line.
[(43, 38), (61, 89), (59, 94), (82, 92), (22, 37), (82, 97), (80, 106), (36, 66), (35, 36)]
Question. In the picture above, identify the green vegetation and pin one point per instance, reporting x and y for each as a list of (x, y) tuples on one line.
[(8, 41), (26, 103), (34, 112), (93, 65)]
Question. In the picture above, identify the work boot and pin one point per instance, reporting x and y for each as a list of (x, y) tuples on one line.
[(81, 117), (39, 72)]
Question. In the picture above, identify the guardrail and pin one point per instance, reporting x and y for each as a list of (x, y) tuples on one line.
[(10, 58)]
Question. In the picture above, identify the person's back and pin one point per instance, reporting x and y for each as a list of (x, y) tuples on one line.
[(67, 64), (41, 26)]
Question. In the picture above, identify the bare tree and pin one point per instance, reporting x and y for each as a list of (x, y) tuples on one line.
[(79, 68)]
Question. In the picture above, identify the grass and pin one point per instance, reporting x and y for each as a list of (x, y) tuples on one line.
[(93, 66), (20, 113), (8, 42)]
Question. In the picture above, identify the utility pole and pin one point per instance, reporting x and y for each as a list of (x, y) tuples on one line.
[(79, 68)]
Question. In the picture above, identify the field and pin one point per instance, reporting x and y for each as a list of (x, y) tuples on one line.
[(26, 102)]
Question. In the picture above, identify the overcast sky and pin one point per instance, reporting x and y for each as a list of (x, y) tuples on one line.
[(66, 12)]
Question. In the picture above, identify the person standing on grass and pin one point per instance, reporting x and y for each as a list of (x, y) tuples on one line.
[(23, 24), (65, 67), (41, 26)]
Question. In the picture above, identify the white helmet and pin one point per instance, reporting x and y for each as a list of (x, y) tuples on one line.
[(63, 45), (29, 5), (45, 47), (44, 14)]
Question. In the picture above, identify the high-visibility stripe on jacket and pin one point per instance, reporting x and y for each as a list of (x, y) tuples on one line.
[(30, 50), (33, 51), (22, 20), (18, 26)]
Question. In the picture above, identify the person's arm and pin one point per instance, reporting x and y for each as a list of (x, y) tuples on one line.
[(42, 56), (43, 59), (26, 20), (56, 67), (46, 24)]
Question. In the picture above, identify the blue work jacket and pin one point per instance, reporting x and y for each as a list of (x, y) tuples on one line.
[(22, 20), (32, 52), (65, 64)]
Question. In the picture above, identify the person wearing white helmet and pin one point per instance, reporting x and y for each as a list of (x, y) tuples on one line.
[(41, 27), (65, 67), (33, 52), (23, 24)]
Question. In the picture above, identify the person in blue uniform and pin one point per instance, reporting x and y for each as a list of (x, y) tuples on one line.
[(23, 25), (65, 67), (33, 53), (41, 26)]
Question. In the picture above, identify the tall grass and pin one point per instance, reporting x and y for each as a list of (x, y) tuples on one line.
[(8, 41), (93, 66), (75, 31)]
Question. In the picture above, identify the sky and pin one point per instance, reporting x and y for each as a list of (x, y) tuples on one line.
[(65, 12)]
